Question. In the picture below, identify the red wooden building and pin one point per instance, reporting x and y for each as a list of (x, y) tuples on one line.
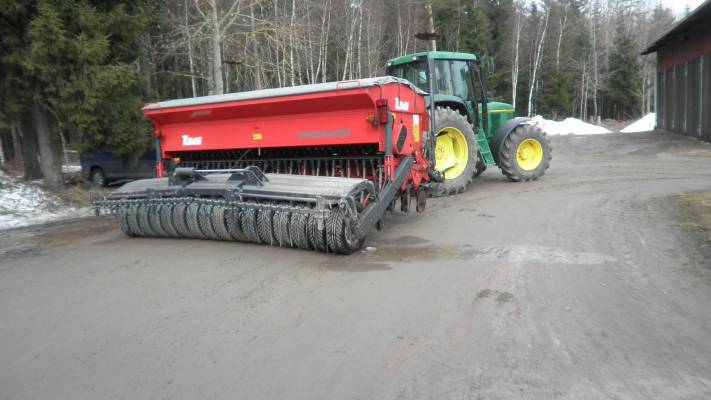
[(684, 75)]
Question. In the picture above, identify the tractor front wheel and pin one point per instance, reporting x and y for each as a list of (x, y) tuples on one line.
[(456, 152), (525, 154)]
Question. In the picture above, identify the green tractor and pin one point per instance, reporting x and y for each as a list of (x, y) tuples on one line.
[(472, 132)]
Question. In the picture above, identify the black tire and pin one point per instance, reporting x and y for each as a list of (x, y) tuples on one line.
[(180, 220), (166, 219), (155, 221), (339, 234), (317, 236), (97, 177), (219, 222), (446, 117), (507, 158), (280, 221), (205, 221), (264, 226), (249, 224), (144, 221), (192, 216), (141, 221), (299, 230), (480, 168), (234, 224), (124, 221)]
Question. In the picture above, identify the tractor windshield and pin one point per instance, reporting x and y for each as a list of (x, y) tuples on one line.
[(453, 77), (415, 72)]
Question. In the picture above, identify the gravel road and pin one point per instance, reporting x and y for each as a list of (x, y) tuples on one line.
[(579, 286)]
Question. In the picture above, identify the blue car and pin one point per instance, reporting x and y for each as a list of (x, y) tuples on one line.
[(103, 167)]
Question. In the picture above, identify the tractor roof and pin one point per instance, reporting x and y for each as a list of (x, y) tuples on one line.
[(438, 55)]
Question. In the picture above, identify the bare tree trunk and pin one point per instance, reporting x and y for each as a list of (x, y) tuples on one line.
[(191, 61), (311, 69), (537, 63), (218, 85), (277, 45), (255, 50), (29, 150), (2, 153), (325, 52), (17, 146), (48, 163), (359, 69), (291, 41), (563, 22), (400, 32), (146, 69), (369, 52), (349, 49), (596, 72), (515, 63)]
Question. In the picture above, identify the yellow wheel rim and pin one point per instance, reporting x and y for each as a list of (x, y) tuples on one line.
[(529, 154), (451, 152)]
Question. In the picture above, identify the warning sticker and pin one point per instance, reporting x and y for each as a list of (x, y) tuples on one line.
[(416, 127)]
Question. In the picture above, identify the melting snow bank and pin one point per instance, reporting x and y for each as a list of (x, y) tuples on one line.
[(25, 203), (568, 126), (644, 124)]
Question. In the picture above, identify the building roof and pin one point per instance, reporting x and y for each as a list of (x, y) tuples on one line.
[(696, 20)]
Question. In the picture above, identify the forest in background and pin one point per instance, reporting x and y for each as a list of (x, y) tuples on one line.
[(76, 73)]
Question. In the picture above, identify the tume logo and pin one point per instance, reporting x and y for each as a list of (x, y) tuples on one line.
[(192, 140), (402, 105)]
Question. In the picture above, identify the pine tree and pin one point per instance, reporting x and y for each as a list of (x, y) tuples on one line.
[(83, 59), (624, 89), (71, 66)]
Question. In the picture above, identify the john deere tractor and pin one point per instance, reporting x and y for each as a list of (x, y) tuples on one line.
[(472, 132)]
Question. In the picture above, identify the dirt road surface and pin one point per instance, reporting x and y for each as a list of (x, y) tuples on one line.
[(578, 286)]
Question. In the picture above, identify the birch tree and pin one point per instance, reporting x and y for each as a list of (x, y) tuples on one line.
[(537, 59)]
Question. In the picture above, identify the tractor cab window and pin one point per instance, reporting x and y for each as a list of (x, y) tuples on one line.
[(444, 77), (415, 72), (462, 81)]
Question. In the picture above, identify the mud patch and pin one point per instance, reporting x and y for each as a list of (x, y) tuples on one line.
[(501, 297), (357, 267), (509, 254), (15, 242), (21, 253), (406, 240), (693, 214)]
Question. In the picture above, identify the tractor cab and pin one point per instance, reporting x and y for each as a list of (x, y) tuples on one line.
[(470, 130), (457, 80)]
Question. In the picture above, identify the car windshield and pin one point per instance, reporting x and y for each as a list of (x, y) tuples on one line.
[(415, 72)]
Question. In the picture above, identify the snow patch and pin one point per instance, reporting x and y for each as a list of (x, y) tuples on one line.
[(644, 124), (26, 203), (568, 126)]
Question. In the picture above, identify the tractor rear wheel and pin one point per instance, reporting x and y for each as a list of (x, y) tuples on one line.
[(525, 154), (456, 152)]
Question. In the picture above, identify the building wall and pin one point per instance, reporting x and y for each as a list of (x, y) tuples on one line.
[(684, 87)]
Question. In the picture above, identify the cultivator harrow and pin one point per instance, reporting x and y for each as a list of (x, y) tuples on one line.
[(254, 167)]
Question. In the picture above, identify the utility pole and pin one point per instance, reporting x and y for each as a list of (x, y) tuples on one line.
[(430, 19), (431, 35)]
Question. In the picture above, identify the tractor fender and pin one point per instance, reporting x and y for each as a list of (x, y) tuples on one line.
[(502, 133)]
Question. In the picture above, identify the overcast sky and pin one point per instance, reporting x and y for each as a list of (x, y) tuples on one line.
[(678, 5)]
